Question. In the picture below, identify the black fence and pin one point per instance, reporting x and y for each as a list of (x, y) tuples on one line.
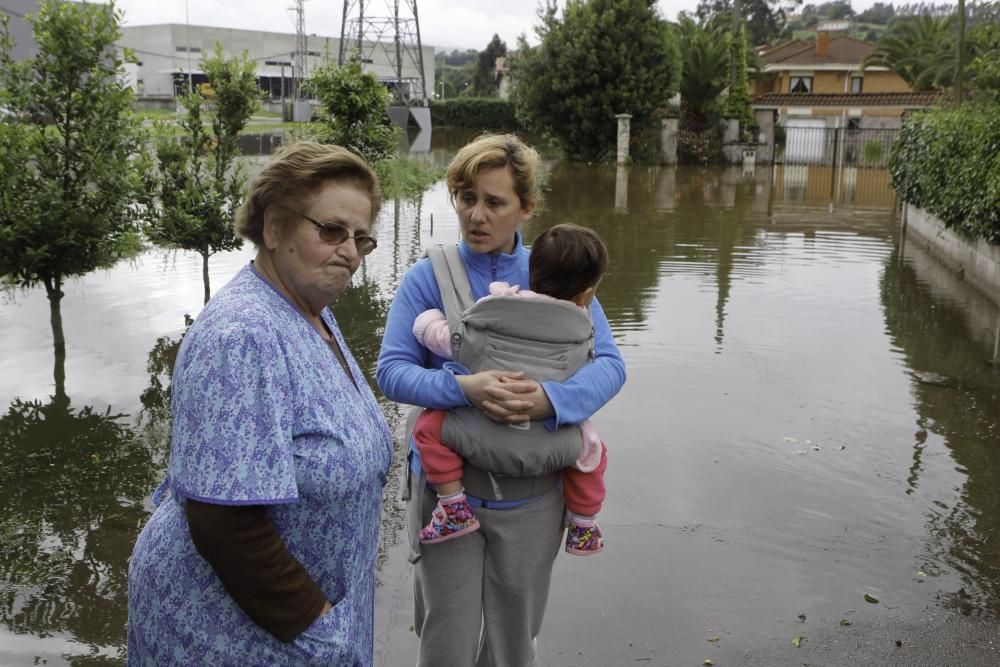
[(834, 146)]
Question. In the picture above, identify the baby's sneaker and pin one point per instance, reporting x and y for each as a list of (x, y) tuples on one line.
[(451, 518), (584, 536)]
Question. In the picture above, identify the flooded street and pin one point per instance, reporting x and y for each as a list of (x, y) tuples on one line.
[(809, 418)]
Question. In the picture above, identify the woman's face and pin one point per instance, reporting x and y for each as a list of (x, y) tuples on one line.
[(313, 271), (489, 211)]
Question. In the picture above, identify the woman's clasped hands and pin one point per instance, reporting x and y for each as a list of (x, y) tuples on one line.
[(506, 396)]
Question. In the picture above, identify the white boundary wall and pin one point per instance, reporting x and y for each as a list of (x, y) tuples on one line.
[(977, 262)]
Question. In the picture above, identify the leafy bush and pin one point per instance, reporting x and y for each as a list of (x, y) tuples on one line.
[(947, 162), (353, 112), (873, 151), (484, 113)]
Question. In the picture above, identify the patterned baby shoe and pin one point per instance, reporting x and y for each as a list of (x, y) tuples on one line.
[(448, 520), (584, 537)]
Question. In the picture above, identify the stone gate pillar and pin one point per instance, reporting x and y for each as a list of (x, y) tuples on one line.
[(669, 129), (765, 139), (731, 142), (624, 123)]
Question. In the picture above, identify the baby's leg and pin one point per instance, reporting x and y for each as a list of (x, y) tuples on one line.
[(443, 467), (584, 493)]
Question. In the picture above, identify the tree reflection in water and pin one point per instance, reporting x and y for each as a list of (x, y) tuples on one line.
[(361, 311), (72, 484)]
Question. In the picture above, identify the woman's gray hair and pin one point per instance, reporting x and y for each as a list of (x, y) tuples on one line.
[(298, 170)]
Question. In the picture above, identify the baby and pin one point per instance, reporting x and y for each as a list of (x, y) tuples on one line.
[(566, 262)]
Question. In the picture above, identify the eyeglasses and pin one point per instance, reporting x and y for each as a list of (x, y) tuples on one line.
[(334, 233)]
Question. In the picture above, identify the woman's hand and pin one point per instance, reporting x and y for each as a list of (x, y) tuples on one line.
[(505, 396)]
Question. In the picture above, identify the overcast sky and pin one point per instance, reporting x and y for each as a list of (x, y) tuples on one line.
[(443, 23)]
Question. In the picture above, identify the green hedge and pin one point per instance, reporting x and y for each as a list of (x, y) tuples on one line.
[(486, 113), (947, 162)]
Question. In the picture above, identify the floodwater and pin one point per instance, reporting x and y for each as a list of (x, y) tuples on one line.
[(809, 418)]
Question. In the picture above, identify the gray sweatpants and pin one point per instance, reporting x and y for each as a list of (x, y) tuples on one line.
[(479, 599)]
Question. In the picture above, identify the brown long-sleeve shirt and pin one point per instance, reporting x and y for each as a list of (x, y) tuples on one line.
[(255, 567)]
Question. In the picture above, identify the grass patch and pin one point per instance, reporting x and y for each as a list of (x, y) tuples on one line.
[(270, 128), (156, 114), (406, 178)]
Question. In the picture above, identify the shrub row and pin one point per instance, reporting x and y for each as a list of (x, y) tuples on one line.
[(947, 162), (485, 113)]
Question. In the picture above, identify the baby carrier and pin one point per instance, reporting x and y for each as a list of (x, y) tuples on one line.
[(549, 340)]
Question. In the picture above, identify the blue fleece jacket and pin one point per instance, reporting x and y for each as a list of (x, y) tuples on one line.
[(408, 373)]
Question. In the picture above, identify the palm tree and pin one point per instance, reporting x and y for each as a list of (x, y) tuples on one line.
[(921, 49), (706, 66)]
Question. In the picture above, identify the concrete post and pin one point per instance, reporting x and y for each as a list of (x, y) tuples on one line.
[(669, 131), (621, 189), (731, 142), (624, 123), (765, 141)]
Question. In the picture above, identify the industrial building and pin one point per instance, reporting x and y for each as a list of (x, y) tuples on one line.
[(169, 56)]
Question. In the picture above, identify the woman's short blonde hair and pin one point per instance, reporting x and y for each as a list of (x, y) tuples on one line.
[(489, 151), (297, 170)]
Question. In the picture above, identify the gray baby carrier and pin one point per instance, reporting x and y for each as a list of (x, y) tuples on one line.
[(549, 340)]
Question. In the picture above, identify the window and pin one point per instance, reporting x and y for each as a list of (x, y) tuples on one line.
[(857, 84), (853, 124), (800, 84), (189, 49)]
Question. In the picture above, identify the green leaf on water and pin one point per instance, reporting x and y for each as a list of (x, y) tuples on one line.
[(713, 639), (797, 641), (708, 663), (871, 598), (844, 621)]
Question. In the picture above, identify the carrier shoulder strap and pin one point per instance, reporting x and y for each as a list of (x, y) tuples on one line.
[(453, 281)]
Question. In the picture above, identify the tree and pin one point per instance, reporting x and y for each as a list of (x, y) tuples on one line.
[(763, 19), (920, 49), (485, 83), (706, 67), (983, 73), (880, 13), (354, 110), (70, 174), (738, 102), (201, 185), (600, 58)]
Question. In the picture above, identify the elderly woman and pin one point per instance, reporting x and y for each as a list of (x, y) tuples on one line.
[(481, 599), (262, 552)]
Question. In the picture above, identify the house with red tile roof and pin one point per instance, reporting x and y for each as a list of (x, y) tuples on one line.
[(823, 84)]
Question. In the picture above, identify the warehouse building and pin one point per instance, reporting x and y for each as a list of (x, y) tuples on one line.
[(169, 56)]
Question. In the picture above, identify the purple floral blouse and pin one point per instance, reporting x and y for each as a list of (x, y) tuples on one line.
[(263, 414)]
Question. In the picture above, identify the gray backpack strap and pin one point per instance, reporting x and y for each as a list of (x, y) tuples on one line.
[(453, 281)]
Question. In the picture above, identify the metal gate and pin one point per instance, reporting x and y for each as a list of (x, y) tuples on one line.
[(805, 141)]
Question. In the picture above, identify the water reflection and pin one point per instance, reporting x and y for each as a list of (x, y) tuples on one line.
[(361, 311), (957, 396), (155, 398), (72, 483)]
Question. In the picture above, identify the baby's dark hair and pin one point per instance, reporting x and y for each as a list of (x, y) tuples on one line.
[(565, 260)]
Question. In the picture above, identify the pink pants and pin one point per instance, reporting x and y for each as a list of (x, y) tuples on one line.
[(584, 491)]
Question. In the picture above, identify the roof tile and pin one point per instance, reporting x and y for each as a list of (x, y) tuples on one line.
[(910, 100)]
